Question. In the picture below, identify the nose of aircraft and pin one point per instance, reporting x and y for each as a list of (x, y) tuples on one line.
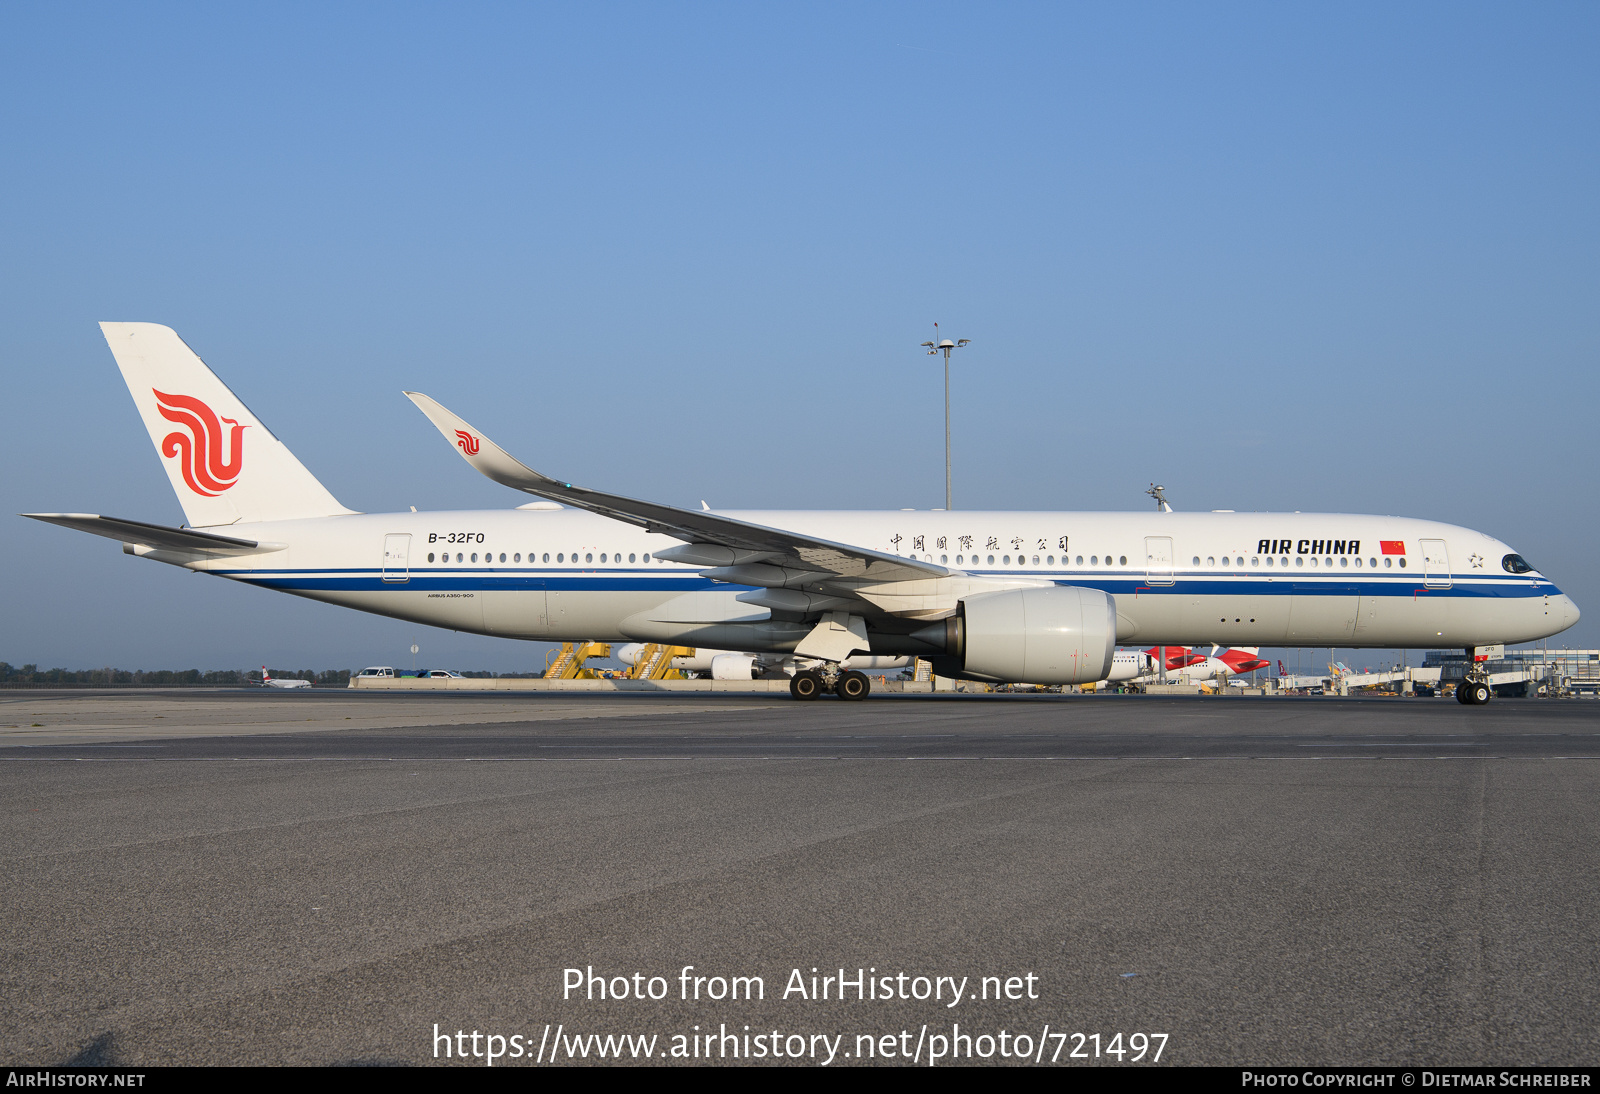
[(1569, 612)]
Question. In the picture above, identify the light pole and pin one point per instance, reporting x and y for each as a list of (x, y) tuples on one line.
[(933, 347)]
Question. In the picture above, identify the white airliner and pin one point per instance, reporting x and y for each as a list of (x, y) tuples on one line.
[(268, 682), (1028, 597), (1190, 668)]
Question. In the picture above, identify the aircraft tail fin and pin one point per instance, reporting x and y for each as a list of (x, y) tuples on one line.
[(224, 464)]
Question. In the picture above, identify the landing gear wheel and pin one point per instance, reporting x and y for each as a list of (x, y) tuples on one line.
[(852, 685), (1478, 693), (805, 686), (1462, 695)]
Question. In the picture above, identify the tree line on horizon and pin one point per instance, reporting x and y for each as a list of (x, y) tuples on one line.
[(34, 676)]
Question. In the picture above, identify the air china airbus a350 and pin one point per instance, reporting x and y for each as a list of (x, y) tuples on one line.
[(1032, 597)]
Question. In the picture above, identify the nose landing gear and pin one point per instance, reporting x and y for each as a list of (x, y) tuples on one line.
[(1474, 689)]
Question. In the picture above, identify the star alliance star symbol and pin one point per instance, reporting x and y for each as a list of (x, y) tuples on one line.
[(1477, 561)]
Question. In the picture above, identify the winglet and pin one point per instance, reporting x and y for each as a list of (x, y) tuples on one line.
[(486, 457)]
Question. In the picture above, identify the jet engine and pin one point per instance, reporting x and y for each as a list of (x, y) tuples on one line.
[(734, 666), (1056, 635)]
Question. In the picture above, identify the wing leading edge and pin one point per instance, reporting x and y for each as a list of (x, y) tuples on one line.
[(737, 551)]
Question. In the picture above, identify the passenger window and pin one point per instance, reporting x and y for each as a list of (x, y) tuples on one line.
[(560, 557), (1299, 562), (1122, 560), (502, 556), (430, 556), (647, 556), (991, 560), (1402, 564), (630, 556), (1256, 560), (944, 558), (1212, 562), (1344, 562), (1388, 563), (1080, 560), (1050, 560), (589, 557), (517, 557), (1313, 564), (1269, 562), (1094, 560), (1036, 560), (1006, 561), (602, 557), (1196, 560)]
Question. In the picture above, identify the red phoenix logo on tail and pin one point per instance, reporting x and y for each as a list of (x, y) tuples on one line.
[(468, 443), (200, 449)]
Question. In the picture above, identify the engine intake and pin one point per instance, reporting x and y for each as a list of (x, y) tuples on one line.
[(1058, 635)]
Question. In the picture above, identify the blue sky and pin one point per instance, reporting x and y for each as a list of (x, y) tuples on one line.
[(1320, 257)]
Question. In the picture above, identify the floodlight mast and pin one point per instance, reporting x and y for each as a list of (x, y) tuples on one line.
[(933, 347)]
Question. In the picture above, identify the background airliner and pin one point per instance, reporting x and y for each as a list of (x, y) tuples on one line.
[(268, 682), (1033, 597), (1186, 666)]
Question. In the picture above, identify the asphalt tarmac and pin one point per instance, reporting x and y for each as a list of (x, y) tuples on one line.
[(250, 877)]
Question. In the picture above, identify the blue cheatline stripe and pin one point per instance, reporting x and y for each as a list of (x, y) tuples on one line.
[(371, 578)]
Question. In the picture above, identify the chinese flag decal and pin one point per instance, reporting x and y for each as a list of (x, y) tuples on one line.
[(1393, 546)]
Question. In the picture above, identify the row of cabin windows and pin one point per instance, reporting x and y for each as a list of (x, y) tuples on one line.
[(1022, 560), (1122, 560), (1388, 563), (561, 557), (961, 560)]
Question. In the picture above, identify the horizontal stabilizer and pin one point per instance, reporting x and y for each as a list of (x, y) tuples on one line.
[(152, 535)]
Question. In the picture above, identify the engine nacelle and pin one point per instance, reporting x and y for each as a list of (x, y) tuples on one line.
[(733, 666), (1056, 635)]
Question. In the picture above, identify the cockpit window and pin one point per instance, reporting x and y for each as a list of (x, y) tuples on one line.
[(1516, 564)]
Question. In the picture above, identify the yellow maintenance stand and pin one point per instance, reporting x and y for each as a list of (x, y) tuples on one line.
[(655, 662), (568, 665)]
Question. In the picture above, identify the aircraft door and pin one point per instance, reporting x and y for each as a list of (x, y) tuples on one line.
[(516, 607), (1435, 564), (397, 558), (1158, 560)]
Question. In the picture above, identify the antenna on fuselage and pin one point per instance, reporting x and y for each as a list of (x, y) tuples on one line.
[(1161, 498)]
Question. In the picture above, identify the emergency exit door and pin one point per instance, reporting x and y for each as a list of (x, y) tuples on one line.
[(397, 557), (1435, 564), (1158, 560)]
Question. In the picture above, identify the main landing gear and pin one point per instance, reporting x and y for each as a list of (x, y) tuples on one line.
[(1474, 690), (807, 684)]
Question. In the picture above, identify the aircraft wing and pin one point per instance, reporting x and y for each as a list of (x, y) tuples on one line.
[(712, 540), (150, 535)]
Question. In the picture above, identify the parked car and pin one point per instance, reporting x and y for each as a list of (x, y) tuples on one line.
[(376, 672)]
